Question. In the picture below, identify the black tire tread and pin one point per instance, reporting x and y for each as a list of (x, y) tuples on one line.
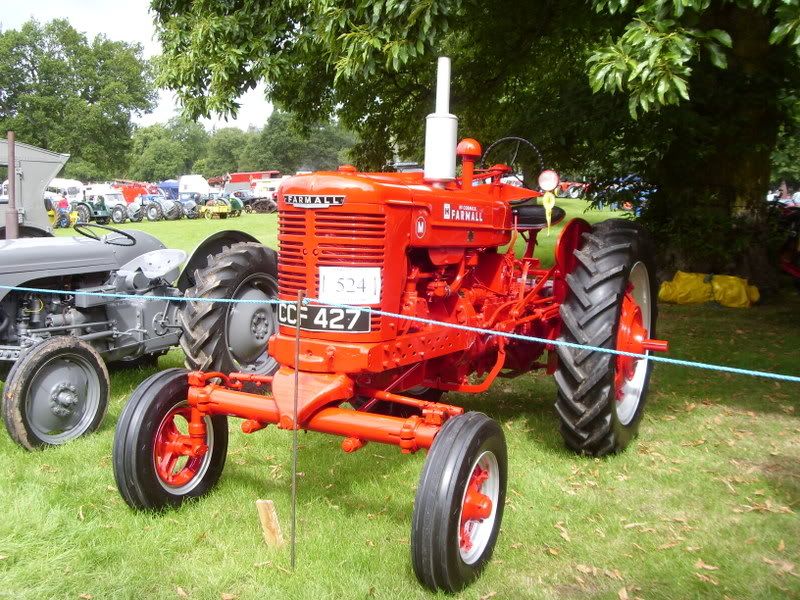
[(204, 322), (430, 531), (590, 316)]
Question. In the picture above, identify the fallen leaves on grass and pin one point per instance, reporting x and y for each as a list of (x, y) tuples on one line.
[(227, 596), (86, 597), (3, 556), (782, 566), (553, 551), (562, 530), (707, 578), (765, 507), (489, 595), (781, 546), (181, 592), (701, 565)]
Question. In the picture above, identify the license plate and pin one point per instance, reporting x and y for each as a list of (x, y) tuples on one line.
[(350, 285), (325, 318)]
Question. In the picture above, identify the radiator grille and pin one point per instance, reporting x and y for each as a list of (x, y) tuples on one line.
[(340, 239)]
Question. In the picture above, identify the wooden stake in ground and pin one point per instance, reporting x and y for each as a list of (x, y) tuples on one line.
[(269, 523)]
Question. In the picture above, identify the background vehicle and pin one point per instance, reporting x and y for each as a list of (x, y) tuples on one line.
[(194, 183), (156, 207), (190, 204), (71, 188), (363, 247), (102, 202), (59, 210), (56, 345)]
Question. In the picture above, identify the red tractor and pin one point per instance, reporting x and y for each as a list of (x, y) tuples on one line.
[(402, 271)]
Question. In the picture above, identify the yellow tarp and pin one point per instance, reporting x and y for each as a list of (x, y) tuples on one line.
[(696, 288)]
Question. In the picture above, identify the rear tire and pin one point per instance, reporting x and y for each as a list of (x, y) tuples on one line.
[(55, 392), (84, 214), (597, 415), (231, 337), (149, 474), (448, 548)]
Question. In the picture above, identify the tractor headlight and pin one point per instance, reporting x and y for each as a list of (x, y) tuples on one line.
[(548, 180)]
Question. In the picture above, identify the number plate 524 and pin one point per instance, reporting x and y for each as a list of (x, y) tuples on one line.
[(325, 318)]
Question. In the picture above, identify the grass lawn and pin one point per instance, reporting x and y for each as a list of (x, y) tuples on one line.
[(703, 504)]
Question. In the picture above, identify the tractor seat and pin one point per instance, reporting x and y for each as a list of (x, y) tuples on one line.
[(532, 216)]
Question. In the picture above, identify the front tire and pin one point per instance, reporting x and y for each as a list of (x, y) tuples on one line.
[(601, 396), (150, 473), (459, 503), (56, 392), (230, 337)]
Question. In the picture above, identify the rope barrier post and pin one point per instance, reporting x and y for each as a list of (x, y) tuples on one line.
[(293, 552)]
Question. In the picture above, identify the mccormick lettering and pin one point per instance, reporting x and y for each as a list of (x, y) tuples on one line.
[(462, 212), (307, 201)]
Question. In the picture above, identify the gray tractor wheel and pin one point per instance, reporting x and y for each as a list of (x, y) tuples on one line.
[(84, 214), (154, 212), (56, 392), (119, 214), (230, 337)]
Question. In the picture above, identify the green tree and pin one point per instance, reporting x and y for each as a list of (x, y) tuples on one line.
[(224, 151), (66, 93), (286, 145), (156, 154)]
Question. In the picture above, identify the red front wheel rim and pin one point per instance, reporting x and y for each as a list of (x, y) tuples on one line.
[(479, 508), (179, 464)]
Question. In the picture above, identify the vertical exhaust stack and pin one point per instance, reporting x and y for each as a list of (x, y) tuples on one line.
[(441, 131)]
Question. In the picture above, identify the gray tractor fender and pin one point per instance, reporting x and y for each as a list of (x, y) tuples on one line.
[(208, 247)]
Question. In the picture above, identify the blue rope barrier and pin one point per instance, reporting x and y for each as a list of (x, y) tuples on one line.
[(491, 332)]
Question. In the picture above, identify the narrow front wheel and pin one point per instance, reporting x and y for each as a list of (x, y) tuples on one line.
[(459, 502), (156, 463)]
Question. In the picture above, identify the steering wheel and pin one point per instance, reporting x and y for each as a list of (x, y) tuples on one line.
[(85, 229), (517, 143)]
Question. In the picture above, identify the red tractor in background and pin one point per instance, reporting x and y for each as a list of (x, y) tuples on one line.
[(399, 268)]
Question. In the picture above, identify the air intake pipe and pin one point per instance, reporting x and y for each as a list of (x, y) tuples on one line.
[(441, 131)]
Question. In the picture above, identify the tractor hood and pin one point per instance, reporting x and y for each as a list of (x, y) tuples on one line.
[(30, 259)]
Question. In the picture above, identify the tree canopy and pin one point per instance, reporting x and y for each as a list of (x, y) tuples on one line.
[(63, 92), (163, 151), (688, 94)]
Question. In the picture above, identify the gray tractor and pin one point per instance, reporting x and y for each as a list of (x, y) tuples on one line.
[(54, 347)]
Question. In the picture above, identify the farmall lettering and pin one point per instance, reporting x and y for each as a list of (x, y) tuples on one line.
[(463, 213), (309, 201)]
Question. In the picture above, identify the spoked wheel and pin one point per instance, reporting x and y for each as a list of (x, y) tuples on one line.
[(55, 393), (459, 502), (233, 336), (611, 304), (156, 463)]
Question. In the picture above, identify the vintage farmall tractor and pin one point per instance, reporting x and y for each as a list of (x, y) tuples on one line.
[(435, 247)]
